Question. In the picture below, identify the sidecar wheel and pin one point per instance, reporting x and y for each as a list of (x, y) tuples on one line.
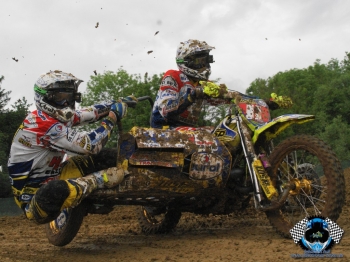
[(317, 173), (158, 220), (64, 228)]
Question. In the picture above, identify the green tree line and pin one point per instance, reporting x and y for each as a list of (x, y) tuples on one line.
[(320, 89), (114, 85), (10, 119)]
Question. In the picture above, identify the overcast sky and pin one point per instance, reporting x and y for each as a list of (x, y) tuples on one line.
[(253, 39)]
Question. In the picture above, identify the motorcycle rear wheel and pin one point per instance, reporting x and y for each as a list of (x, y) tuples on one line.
[(64, 228), (312, 163), (158, 220)]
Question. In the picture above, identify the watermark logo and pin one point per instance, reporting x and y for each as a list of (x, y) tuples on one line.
[(316, 235)]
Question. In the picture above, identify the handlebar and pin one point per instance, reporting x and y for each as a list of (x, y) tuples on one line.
[(133, 104), (142, 98), (230, 95)]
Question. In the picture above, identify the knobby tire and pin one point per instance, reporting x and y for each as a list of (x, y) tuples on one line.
[(150, 224), (334, 186)]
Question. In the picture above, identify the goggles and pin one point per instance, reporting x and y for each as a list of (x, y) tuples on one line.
[(64, 96), (197, 61), (64, 93)]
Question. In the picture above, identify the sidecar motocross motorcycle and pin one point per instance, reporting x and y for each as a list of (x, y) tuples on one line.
[(218, 172)]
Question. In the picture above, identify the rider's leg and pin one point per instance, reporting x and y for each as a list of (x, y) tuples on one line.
[(56, 195), (78, 166)]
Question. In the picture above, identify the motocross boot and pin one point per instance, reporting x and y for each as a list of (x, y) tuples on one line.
[(81, 187), (110, 177)]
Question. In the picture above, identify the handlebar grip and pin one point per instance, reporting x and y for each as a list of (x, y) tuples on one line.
[(131, 103)]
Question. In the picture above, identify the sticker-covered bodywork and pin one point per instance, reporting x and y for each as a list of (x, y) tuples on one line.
[(279, 124), (157, 160)]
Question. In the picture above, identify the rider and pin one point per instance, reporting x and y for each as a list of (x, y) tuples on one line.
[(43, 184), (181, 93)]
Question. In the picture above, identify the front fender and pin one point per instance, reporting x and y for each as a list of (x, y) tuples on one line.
[(278, 124)]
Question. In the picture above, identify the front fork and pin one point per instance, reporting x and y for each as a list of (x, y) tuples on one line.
[(260, 178), (249, 155)]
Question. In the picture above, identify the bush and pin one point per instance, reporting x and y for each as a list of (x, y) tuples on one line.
[(5, 185)]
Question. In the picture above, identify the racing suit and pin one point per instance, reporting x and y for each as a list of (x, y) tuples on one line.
[(177, 104), (174, 106), (37, 154)]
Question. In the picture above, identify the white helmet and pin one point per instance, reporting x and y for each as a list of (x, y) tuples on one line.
[(193, 59), (56, 94)]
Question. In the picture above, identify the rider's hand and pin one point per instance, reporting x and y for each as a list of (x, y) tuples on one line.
[(197, 92), (119, 109), (281, 101), (213, 90), (113, 117)]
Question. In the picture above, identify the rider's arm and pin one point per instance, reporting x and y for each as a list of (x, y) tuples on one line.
[(213, 90), (173, 96), (72, 141), (87, 115)]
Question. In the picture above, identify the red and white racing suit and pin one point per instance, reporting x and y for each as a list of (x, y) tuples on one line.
[(173, 106), (41, 142)]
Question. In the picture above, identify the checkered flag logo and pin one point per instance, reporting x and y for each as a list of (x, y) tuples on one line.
[(334, 230), (297, 231)]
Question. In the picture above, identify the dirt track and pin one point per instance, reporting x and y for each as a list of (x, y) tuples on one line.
[(117, 237)]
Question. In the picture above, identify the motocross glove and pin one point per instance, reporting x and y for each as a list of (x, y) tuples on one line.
[(120, 109), (211, 89), (281, 101), (195, 93)]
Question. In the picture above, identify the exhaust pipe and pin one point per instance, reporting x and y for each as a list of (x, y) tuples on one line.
[(276, 205)]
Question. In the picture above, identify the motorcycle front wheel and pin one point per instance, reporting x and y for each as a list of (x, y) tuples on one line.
[(64, 228), (155, 220), (319, 190)]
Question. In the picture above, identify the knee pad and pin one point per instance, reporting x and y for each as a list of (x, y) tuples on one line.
[(48, 200)]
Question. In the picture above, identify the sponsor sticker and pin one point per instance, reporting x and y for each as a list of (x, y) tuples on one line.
[(205, 166), (25, 142), (169, 81), (40, 114), (61, 220), (25, 197), (71, 135), (184, 78)]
